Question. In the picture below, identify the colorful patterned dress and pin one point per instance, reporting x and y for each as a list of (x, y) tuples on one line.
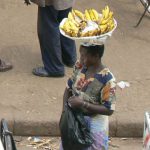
[(98, 90)]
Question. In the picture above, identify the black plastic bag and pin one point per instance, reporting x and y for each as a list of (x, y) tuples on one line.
[(7, 137), (75, 133)]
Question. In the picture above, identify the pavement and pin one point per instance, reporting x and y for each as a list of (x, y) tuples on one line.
[(32, 105), (115, 144)]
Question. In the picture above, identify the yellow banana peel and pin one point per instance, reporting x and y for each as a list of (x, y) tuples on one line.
[(96, 15), (106, 12), (87, 15), (91, 15), (79, 14)]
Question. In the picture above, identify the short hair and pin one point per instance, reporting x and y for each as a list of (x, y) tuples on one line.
[(94, 49)]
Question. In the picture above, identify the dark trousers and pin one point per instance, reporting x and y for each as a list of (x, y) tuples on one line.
[(56, 49)]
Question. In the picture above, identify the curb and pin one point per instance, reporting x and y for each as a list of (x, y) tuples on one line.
[(51, 128)]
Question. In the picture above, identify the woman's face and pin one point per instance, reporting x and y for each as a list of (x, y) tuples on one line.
[(86, 58)]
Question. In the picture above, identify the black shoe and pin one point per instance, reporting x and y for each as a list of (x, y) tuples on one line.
[(41, 72), (5, 66)]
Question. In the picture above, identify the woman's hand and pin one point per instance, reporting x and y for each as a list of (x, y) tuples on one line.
[(75, 102)]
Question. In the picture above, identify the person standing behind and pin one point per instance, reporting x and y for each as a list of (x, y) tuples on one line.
[(56, 49)]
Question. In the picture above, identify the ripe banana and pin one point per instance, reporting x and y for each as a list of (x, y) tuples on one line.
[(110, 14), (91, 15), (77, 22), (73, 26), (96, 15), (73, 13), (106, 13), (70, 16), (87, 15), (103, 28), (111, 25), (103, 13), (66, 25), (105, 21), (79, 14)]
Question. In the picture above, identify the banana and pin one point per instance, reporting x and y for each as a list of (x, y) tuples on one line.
[(77, 22), (111, 25), (73, 13), (99, 32), (70, 16), (62, 27), (87, 15), (84, 34), (91, 15), (105, 21), (103, 13), (110, 14), (69, 27), (66, 25), (111, 21), (73, 26), (66, 29), (106, 14), (96, 15), (79, 14), (103, 28)]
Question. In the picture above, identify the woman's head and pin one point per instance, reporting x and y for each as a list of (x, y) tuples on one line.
[(92, 54)]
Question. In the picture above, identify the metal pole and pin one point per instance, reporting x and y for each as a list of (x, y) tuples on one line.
[(146, 9)]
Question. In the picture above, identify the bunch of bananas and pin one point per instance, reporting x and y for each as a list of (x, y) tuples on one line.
[(91, 15), (77, 23), (106, 23), (70, 28)]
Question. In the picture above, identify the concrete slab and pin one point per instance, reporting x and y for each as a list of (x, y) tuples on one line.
[(33, 105)]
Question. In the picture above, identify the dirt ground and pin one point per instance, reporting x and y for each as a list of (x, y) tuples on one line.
[(115, 144), (33, 105)]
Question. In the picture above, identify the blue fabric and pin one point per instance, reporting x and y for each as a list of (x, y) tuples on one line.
[(70, 83), (107, 104), (103, 79), (55, 48), (84, 69)]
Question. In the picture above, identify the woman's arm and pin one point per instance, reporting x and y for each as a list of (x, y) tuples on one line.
[(97, 109), (77, 102)]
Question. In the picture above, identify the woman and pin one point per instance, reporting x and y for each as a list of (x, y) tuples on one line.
[(92, 89)]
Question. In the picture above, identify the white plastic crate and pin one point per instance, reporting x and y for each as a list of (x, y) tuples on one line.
[(146, 135)]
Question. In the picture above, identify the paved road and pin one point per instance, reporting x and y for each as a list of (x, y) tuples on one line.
[(33, 105), (115, 144)]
